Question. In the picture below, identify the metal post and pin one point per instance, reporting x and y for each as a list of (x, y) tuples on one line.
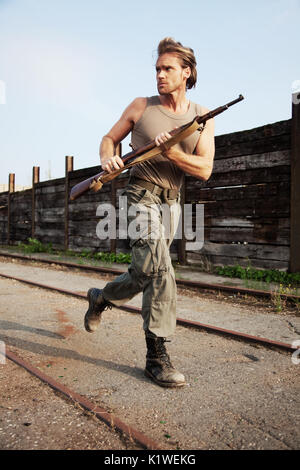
[(11, 189), (295, 185), (35, 180), (68, 168)]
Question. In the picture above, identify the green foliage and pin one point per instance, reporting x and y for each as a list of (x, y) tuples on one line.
[(86, 254), (35, 246), (268, 275), (122, 258)]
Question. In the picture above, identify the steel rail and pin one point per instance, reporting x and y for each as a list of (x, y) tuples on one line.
[(180, 282), (111, 420), (180, 321)]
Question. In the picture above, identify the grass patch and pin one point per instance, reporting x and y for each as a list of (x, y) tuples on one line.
[(35, 246), (264, 275)]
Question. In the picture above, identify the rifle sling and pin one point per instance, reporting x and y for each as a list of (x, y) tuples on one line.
[(194, 126)]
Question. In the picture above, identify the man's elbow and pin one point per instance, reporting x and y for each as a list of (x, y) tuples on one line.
[(108, 138), (205, 166), (206, 173), (204, 178)]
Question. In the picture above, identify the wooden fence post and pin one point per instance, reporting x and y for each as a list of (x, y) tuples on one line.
[(295, 185), (11, 189), (113, 200), (35, 180), (68, 168)]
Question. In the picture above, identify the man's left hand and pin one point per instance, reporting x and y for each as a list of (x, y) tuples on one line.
[(161, 138)]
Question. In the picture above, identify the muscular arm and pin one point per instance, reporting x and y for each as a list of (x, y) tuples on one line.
[(199, 164), (109, 160)]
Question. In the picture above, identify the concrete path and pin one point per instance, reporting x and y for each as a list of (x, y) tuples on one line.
[(237, 396), (214, 311)]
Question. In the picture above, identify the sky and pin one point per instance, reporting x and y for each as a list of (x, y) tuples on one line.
[(68, 69)]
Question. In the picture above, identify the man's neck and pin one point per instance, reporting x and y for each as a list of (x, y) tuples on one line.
[(175, 102)]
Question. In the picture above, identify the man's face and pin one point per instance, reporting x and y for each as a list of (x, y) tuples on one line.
[(170, 75)]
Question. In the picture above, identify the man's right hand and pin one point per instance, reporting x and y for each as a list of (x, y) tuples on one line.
[(113, 163)]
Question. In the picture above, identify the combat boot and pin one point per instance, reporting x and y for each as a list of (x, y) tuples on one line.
[(158, 364), (97, 304)]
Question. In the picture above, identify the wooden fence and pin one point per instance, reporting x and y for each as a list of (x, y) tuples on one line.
[(251, 204)]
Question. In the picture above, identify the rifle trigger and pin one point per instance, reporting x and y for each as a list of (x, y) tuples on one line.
[(201, 128)]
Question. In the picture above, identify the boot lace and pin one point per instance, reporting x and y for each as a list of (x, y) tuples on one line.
[(162, 352)]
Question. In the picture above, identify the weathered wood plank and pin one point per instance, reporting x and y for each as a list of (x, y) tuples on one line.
[(79, 243), (277, 206), (279, 253), (279, 222), (252, 162), (88, 229), (52, 200), (52, 183), (275, 129), (241, 177), (202, 260), (254, 191), (84, 173), (253, 146), (258, 234)]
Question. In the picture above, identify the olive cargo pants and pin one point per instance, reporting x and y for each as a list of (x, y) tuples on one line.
[(151, 270)]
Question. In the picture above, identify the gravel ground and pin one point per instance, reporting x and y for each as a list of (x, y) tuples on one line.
[(238, 396), (33, 416)]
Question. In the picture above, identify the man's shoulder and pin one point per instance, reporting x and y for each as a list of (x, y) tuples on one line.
[(139, 102), (145, 101), (137, 107), (199, 108), (204, 109)]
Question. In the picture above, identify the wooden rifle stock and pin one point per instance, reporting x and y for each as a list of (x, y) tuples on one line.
[(147, 152)]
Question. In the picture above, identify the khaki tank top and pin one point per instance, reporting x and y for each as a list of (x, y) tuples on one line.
[(156, 119)]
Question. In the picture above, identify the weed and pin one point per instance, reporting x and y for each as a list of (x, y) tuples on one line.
[(267, 275), (279, 299), (35, 246)]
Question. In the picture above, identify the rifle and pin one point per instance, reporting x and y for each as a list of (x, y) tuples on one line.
[(148, 151)]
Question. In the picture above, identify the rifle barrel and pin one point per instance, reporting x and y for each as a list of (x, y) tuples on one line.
[(84, 186)]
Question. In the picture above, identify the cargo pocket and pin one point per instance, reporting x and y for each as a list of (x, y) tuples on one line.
[(150, 258), (141, 257)]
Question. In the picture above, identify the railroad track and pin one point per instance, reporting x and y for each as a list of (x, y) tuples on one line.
[(111, 420), (108, 418), (179, 282), (180, 321)]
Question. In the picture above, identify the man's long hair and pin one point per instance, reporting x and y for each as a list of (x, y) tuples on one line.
[(185, 54)]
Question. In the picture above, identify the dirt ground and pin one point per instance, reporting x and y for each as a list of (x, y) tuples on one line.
[(238, 395), (33, 416)]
